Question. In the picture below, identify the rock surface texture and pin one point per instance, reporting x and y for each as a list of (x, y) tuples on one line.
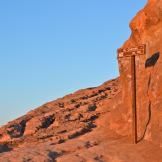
[(146, 29), (95, 124)]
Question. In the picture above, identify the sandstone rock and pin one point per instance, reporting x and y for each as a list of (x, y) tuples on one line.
[(146, 29), (38, 123), (95, 124), (16, 130)]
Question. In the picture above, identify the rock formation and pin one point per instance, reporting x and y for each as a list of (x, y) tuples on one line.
[(95, 124), (146, 29)]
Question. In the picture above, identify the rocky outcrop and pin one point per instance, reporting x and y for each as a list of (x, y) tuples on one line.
[(60, 120), (80, 127), (146, 29), (95, 124)]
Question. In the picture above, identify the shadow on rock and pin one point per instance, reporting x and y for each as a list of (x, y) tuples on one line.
[(4, 148), (53, 155), (152, 60)]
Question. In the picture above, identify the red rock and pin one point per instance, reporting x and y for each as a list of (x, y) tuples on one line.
[(95, 124), (146, 29)]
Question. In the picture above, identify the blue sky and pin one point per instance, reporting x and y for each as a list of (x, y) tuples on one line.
[(54, 47)]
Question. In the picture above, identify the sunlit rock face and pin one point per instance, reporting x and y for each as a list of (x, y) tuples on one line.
[(94, 124), (146, 29)]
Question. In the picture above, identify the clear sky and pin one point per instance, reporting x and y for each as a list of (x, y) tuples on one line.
[(49, 48)]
